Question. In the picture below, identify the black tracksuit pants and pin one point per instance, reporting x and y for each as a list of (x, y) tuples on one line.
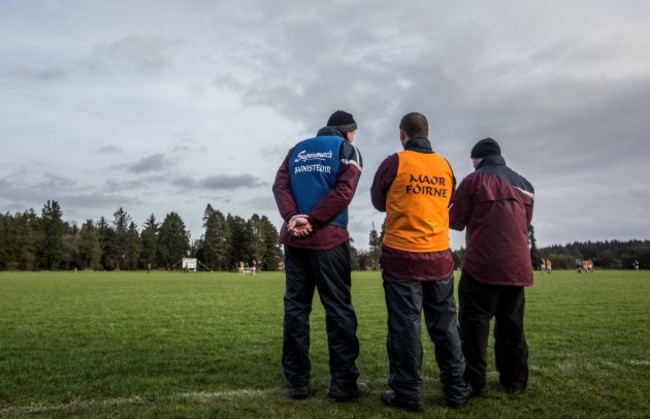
[(405, 301), (478, 303), (329, 271)]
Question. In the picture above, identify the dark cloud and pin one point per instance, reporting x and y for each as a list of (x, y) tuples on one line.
[(113, 185), (153, 163), (34, 189), (98, 200), (230, 182), (22, 186), (218, 182)]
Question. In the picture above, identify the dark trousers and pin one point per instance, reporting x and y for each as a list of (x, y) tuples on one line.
[(405, 301), (329, 271), (478, 303)]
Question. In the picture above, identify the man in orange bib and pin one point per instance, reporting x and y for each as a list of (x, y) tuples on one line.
[(414, 187)]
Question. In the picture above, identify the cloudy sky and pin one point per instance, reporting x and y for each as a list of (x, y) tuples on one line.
[(168, 105)]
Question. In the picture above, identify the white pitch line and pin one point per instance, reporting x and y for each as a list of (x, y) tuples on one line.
[(75, 405), (246, 392), (123, 401)]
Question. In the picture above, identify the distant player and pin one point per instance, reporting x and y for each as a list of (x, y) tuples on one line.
[(542, 265), (549, 266), (579, 266), (636, 265)]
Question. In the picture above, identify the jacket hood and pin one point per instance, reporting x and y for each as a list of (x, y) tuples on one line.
[(491, 161), (329, 131)]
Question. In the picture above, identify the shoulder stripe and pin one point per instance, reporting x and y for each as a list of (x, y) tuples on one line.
[(354, 159), (532, 195)]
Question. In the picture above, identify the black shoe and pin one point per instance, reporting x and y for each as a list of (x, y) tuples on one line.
[(388, 399), (460, 396), (514, 389), (299, 392), (456, 403), (479, 391), (342, 395)]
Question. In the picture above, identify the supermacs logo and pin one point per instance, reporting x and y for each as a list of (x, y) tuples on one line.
[(304, 156)]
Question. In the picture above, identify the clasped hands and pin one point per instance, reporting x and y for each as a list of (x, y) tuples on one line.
[(299, 225)]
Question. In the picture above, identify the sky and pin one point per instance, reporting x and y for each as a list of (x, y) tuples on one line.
[(169, 105)]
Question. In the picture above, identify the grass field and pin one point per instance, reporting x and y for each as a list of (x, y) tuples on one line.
[(208, 345)]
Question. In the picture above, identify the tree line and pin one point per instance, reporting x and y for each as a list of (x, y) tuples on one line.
[(29, 241), (612, 254), (608, 254)]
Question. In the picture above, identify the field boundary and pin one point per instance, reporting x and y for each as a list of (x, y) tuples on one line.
[(203, 396), (136, 400)]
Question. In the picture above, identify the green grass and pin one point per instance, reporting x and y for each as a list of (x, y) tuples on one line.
[(208, 345)]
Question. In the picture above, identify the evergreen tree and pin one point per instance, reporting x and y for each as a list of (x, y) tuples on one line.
[(270, 252), (71, 246), (238, 240), (26, 240), (107, 244), (5, 241), (375, 248), (254, 238), (216, 240), (173, 240), (90, 251), (363, 260), (23, 241), (121, 223), (133, 247), (50, 236), (149, 242)]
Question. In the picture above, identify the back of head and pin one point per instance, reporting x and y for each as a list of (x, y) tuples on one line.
[(342, 121), (415, 124), (485, 147)]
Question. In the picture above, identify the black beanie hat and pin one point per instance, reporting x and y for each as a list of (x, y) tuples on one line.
[(342, 121), (485, 147)]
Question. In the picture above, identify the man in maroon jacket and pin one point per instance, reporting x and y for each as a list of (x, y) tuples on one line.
[(495, 204), (414, 187), (313, 188)]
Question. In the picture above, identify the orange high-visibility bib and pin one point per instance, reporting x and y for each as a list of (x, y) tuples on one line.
[(417, 217)]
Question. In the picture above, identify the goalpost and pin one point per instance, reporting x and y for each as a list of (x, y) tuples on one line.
[(189, 264)]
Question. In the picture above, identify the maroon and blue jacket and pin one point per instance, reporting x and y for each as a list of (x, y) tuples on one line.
[(495, 204), (323, 195)]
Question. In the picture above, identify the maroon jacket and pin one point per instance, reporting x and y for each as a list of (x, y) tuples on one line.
[(325, 236), (496, 205)]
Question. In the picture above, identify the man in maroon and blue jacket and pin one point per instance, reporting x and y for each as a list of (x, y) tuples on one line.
[(313, 188), (495, 204)]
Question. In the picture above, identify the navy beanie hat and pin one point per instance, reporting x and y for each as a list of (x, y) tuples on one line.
[(485, 147), (342, 121)]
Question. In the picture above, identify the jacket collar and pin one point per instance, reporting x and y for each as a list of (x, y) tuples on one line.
[(492, 161), (418, 144), (329, 131)]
